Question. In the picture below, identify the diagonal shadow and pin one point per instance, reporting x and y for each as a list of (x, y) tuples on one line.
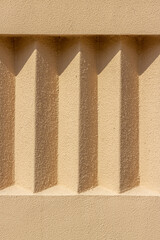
[(149, 50), (24, 47), (68, 48), (107, 48)]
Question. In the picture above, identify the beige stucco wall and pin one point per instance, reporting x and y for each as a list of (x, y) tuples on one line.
[(80, 17), (79, 122)]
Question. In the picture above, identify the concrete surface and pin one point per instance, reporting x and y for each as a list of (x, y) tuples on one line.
[(79, 122)]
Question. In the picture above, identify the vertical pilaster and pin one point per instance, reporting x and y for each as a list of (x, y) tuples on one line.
[(77, 114), (118, 167), (36, 113)]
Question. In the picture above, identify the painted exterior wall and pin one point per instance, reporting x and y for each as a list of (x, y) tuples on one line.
[(79, 122)]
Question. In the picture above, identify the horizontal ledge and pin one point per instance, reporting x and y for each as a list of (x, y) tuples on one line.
[(60, 190), (79, 217)]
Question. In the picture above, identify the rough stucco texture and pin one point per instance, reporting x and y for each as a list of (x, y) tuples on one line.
[(79, 17), (79, 139)]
